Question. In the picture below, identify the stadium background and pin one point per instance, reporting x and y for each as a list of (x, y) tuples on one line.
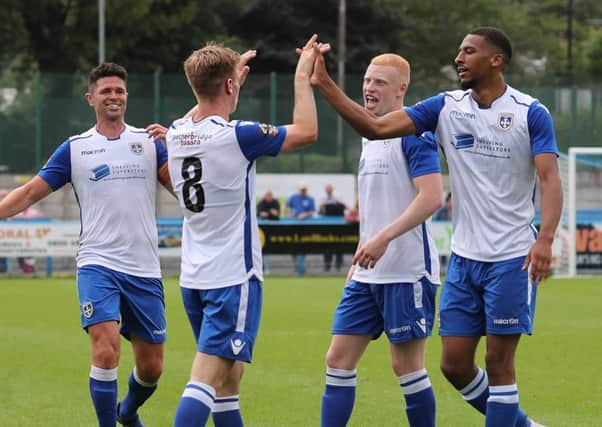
[(51, 107)]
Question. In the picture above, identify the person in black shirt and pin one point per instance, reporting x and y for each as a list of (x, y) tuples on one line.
[(268, 207)]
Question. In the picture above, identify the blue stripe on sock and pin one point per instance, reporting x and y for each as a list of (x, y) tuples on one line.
[(225, 399), (196, 387), (414, 380), (476, 386), (341, 377)]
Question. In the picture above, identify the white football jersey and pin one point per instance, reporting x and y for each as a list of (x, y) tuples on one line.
[(386, 170), (212, 170), (115, 184), (490, 153)]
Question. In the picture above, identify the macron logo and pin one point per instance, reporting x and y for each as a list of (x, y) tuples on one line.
[(511, 321), (237, 346)]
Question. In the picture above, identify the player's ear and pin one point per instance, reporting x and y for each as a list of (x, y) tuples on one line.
[(229, 86), (88, 96), (497, 60)]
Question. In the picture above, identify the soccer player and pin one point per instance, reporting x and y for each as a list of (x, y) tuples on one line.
[(496, 141), (212, 162), (394, 284), (113, 168)]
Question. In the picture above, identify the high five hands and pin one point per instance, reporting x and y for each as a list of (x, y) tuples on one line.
[(313, 53)]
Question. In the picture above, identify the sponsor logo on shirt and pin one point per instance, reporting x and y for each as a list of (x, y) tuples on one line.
[(92, 152), (190, 139), (482, 146), (374, 167), (120, 171), (268, 130), (136, 148), (463, 141), (456, 114), (505, 120), (100, 172), (492, 146)]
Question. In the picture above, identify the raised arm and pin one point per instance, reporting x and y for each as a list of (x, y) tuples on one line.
[(394, 124), (540, 255), (23, 197), (304, 129)]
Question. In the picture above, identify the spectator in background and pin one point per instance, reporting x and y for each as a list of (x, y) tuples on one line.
[(331, 206), (268, 207), (300, 206), (445, 213)]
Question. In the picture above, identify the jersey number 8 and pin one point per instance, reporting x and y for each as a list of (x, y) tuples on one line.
[(192, 182)]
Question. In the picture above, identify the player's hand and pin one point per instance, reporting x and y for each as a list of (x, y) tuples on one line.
[(156, 131), (308, 53), (320, 72), (243, 68), (540, 260), (322, 48), (368, 254)]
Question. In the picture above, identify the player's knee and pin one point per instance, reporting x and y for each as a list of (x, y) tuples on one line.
[(337, 360), (455, 371), (150, 372), (500, 366), (399, 367), (105, 356)]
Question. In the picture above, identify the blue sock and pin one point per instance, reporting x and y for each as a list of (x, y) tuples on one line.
[(339, 397), (420, 399), (195, 405), (226, 412), (138, 392), (502, 406), (103, 389), (477, 392)]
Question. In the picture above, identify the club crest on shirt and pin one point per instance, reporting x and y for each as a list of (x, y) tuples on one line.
[(505, 120), (268, 130), (136, 148)]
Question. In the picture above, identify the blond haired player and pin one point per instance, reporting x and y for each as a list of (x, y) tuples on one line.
[(212, 162)]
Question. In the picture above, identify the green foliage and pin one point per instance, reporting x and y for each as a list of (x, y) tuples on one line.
[(146, 35), (44, 349), (594, 54)]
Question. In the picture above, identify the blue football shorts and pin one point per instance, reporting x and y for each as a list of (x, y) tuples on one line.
[(137, 302), (481, 298), (225, 321), (405, 311)]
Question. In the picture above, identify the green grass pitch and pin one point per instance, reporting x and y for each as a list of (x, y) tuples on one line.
[(44, 360)]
